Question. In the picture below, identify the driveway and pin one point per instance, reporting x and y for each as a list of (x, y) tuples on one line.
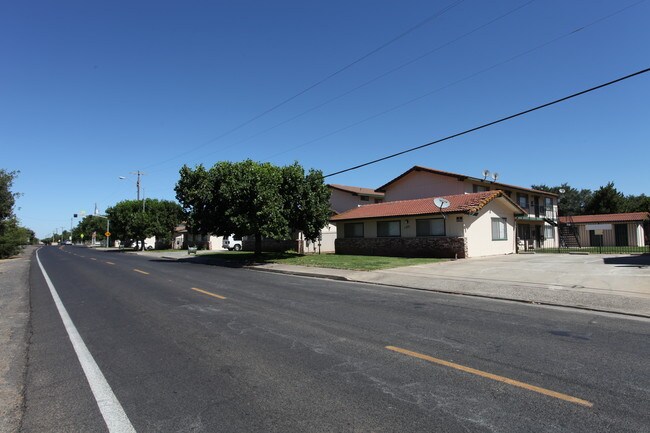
[(610, 283), (616, 274)]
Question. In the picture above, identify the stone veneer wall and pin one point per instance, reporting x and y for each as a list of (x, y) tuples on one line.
[(440, 247)]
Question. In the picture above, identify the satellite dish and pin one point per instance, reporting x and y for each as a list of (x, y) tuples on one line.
[(486, 173), (495, 176), (442, 203)]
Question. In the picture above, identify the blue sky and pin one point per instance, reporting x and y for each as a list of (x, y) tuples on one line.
[(90, 91)]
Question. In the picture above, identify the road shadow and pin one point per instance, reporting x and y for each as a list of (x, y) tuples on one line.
[(210, 261), (635, 261)]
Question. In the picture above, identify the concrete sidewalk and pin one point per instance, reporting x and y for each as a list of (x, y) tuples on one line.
[(616, 284), (607, 283)]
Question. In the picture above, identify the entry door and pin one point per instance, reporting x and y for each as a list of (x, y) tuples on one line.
[(594, 239), (620, 234)]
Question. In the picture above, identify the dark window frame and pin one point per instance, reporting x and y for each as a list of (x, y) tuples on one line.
[(349, 233), (399, 229), (418, 232)]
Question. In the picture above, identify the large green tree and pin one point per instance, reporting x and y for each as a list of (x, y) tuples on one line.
[(138, 220), (253, 198), (571, 201), (637, 203), (87, 226), (606, 200), (12, 235)]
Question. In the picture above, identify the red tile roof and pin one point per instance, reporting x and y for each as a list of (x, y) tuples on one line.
[(462, 203), (463, 177), (606, 218), (357, 190)]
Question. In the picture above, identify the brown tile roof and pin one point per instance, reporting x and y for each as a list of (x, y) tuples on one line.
[(462, 177), (461, 203), (606, 218), (357, 190)]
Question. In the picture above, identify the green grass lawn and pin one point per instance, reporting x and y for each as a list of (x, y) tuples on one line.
[(335, 261)]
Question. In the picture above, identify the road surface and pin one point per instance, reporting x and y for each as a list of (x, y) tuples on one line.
[(183, 347)]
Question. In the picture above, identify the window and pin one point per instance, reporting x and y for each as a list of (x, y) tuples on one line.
[(430, 227), (388, 229), (549, 232), (480, 188), (364, 198), (548, 202), (379, 200), (499, 229), (522, 201), (353, 230)]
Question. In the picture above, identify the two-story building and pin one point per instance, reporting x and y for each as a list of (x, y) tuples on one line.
[(342, 198), (536, 228)]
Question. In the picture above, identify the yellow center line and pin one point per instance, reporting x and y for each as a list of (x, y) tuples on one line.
[(208, 293), (109, 263), (142, 272), (512, 382)]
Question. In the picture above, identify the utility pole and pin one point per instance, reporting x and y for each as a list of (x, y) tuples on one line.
[(138, 173)]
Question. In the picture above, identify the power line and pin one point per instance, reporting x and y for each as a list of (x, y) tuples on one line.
[(319, 82), (376, 78), (467, 77), (485, 125)]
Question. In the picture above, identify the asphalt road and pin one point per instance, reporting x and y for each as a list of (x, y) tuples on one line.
[(192, 348)]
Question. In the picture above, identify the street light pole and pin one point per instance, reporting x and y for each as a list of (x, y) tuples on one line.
[(138, 173)]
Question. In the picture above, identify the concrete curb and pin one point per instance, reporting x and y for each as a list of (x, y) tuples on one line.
[(449, 292), (301, 273)]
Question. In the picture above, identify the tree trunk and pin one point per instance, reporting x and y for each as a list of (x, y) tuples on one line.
[(258, 244), (142, 245)]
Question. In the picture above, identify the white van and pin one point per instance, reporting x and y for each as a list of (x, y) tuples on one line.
[(232, 242)]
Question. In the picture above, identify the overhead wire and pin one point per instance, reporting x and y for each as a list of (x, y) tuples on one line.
[(453, 83), (485, 125), (376, 78), (317, 83)]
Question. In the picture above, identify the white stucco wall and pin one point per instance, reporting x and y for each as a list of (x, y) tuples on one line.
[(328, 236), (479, 231)]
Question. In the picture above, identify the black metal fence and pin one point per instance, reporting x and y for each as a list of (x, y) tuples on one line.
[(600, 249)]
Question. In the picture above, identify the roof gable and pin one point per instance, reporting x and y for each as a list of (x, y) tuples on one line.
[(356, 190), (462, 178), (460, 203)]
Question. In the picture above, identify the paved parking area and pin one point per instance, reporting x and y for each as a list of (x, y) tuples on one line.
[(617, 274)]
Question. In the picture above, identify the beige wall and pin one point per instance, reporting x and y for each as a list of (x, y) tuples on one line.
[(328, 236), (422, 184), (419, 184), (340, 201), (476, 229), (479, 231), (635, 235)]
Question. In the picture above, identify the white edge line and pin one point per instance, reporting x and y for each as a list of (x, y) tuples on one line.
[(111, 409)]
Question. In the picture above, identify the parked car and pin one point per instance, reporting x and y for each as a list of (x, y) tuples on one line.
[(232, 242)]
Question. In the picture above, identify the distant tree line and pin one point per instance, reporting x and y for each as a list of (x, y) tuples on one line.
[(607, 199), (12, 235)]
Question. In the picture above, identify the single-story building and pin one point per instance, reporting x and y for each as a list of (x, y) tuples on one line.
[(183, 238), (607, 230), (472, 225)]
